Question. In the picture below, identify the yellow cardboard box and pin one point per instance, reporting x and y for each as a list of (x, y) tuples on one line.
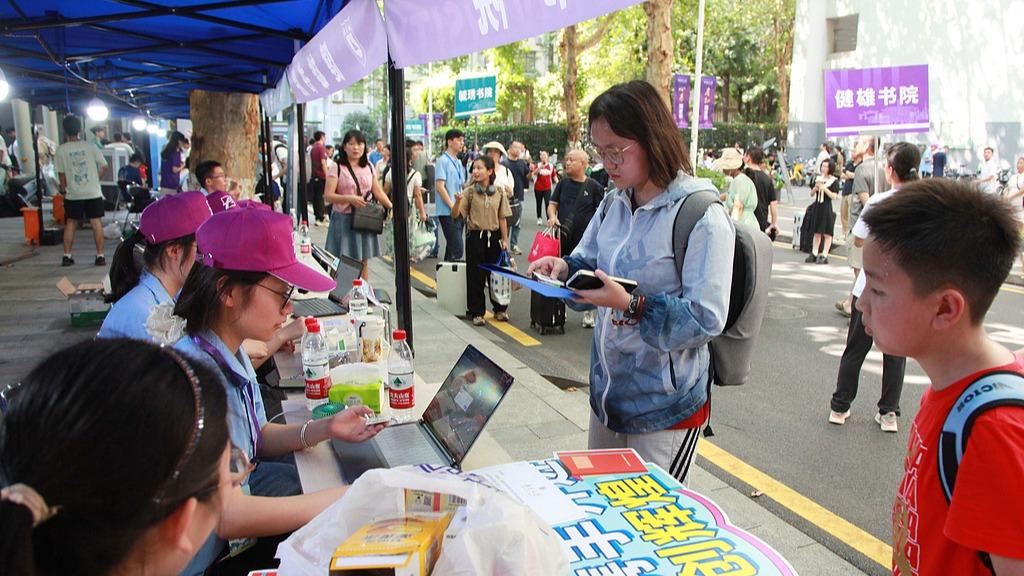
[(406, 546)]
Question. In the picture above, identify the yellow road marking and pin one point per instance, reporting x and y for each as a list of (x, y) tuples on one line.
[(511, 331), (423, 278), (1012, 288), (804, 507)]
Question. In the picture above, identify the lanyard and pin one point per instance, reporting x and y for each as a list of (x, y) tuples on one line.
[(462, 177), (244, 387)]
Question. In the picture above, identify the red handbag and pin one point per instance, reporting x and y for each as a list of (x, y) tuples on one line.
[(545, 243)]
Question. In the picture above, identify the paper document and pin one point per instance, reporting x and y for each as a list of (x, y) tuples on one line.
[(523, 483)]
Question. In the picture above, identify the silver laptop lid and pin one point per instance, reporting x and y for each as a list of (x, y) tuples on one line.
[(466, 401)]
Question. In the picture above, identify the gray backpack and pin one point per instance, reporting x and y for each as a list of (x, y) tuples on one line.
[(733, 349)]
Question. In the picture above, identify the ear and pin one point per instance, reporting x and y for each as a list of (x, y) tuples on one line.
[(174, 529), (228, 299), (950, 308)]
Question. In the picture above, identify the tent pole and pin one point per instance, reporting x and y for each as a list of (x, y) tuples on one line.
[(399, 199), (301, 209)]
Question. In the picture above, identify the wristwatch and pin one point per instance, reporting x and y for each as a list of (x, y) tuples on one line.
[(633, 308)]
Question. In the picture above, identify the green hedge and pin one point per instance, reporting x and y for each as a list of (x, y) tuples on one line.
[(536, 137), (745, 133), (716, 177)]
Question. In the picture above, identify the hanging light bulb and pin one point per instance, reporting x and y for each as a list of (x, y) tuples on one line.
[(153, 128), (97, 110), (5, 88), (139, 124)]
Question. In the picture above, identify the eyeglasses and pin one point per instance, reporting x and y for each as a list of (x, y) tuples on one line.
[(610, 155), (287, 295), (197, 428)]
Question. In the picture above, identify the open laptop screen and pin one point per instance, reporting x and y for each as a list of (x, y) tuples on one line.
[(466, 401)]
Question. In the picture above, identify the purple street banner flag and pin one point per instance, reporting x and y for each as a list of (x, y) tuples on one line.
[(421, 32), (707, 102), (876, 99), (347, 49), (681, 99)]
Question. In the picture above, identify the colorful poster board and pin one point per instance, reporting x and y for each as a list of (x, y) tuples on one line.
[(893, 99)]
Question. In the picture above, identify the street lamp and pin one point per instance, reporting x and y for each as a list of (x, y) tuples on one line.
[(139, 124), (5, 88), (97, 110)]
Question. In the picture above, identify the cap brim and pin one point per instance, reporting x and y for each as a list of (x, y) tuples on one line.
[(304, 277)]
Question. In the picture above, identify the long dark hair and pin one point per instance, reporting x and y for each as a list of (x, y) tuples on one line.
[(173, 140), (358, 136), (125, 273), (636, 111), (200, 300), (72, 433)]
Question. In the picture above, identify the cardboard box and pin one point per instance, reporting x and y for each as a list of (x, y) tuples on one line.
[(406, 546), (86, 304)]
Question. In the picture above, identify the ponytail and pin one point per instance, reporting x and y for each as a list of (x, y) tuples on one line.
[(124, 272), (16, 555)]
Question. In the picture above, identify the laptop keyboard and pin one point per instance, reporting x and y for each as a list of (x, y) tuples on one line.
[(316, 307), (407, 444)]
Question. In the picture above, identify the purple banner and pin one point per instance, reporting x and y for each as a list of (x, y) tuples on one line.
[(437, 123), (707, 102), (681, 99), (347, 49), (874, 99), (421, 32)]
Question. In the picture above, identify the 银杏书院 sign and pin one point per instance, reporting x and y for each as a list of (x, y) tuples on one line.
[(476, 96), (876, 100)]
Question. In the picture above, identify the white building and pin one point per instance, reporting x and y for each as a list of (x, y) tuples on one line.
[(975, 55)]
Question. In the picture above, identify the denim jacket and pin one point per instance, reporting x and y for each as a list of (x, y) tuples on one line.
[(650, 376)]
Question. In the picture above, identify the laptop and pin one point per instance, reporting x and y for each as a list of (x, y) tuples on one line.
[(451, 424), (344, 270)]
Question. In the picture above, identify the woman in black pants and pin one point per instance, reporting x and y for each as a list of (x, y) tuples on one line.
[(546, 179), (485, 212)]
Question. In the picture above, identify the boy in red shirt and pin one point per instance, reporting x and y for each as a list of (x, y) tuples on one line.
[(935, 259)]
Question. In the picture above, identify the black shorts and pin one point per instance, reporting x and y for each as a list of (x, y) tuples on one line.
[(84, 209)]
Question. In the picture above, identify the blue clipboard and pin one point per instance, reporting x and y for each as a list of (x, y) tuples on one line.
[(535, 285)]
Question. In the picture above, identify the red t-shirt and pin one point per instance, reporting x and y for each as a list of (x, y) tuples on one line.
[(544, 172), (987, 511), (317, 155)]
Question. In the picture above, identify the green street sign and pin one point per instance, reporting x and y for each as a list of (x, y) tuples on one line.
[(476, 96), (414, 127)]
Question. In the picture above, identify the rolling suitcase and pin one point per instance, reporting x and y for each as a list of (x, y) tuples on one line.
[(547, 313), (451, 287), (798, 222)]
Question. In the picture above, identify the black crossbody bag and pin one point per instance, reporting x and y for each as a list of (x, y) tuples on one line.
[(369, 218)]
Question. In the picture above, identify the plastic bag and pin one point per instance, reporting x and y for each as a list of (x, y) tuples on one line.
[(112, 231), (501, 536), (421, 239), (545, 243), (501, 286)]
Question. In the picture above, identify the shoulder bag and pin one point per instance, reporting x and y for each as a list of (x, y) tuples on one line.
[(369, 218)]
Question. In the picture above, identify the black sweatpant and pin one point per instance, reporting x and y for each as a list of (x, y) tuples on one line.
[(858, 344), (316, 197), (482, 247), (543, 197)]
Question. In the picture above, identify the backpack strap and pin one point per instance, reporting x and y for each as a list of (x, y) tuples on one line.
[(987, 392), (692, 208)]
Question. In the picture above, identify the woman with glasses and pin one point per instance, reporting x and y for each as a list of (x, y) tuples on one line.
[(83, 491), (649, 373), (237, 292), (167, 239)]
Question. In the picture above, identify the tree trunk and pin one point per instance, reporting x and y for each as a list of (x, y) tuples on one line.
[(225, 128), (782, 32), (528, 110), (660, 46), (725, 93), (571, 47)]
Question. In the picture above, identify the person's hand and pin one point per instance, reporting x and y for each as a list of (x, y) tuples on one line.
[(255, 349), (551, 266), (290, 332), (350, 425), (423, 216), (553, 222), (357, 201), (611, 295)]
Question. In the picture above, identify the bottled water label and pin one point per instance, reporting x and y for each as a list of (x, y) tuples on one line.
[(401, 395), (318, 381)]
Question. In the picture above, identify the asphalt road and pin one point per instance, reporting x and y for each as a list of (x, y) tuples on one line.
[(778, 422)]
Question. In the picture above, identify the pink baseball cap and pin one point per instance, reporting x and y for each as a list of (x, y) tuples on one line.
[(173, 217), (255, 204), (254, 240), (219, 201)]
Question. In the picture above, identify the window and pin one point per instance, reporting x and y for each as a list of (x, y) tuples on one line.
[(842, 34), (354, 94)]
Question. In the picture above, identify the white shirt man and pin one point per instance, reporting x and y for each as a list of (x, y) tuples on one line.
[(988, 171)]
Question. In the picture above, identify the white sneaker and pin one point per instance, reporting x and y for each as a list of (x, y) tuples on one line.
[(540, 222), (838, 417), (888, 422), (588, 319)]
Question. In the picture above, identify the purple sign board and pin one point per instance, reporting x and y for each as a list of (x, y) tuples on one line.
[(681, 99), (707, 102), (347, 49), (876, 99), (421, 32)]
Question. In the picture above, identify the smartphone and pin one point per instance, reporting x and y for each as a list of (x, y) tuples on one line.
[(377, 419), (587, 280)]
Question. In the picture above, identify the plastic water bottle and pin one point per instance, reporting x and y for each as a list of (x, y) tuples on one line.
[(305, 243), (401, 394), (315, 364), (357, 302)]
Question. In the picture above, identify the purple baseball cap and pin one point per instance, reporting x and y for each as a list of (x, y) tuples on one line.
[(219, 201), (173, 217), (254, 240)]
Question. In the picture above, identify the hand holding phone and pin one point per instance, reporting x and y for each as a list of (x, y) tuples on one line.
[(588, 280)]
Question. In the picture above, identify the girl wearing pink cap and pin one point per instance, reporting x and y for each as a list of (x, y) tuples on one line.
[(242, 290), (167, 237)]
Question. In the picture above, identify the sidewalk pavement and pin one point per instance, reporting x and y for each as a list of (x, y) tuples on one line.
[(537, 418)]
